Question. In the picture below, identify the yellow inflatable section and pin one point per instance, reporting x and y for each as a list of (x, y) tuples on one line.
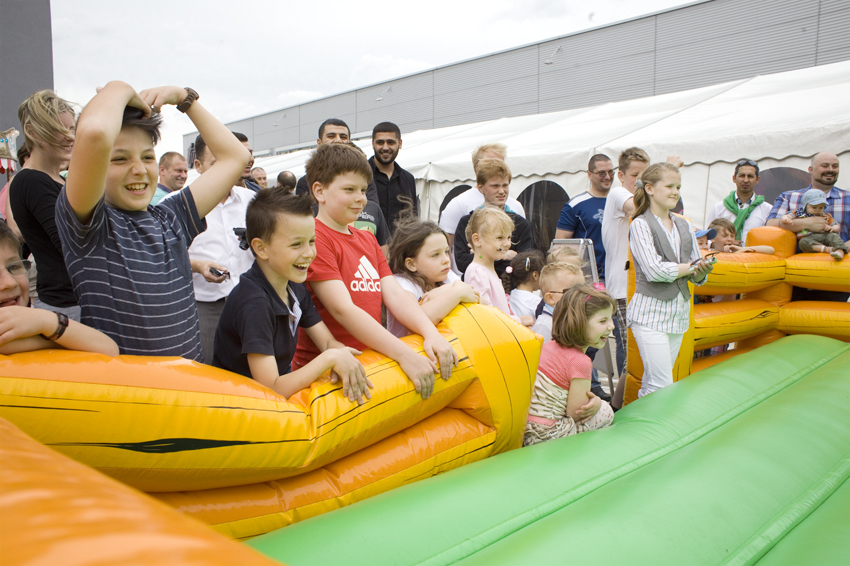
[(764, 312), (244, 459)]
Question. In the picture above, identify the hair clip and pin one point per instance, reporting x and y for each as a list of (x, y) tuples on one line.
[(599, 286), (526, 263), (509, 269), (639, 184), (586, 298), (243, 240)]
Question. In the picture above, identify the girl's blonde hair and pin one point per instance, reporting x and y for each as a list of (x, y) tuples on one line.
[(574, 310), (487, 221), (407, 240), (40, 118), (651, 175)]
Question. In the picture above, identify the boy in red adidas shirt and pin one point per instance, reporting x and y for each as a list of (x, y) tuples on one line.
[(350, 279)]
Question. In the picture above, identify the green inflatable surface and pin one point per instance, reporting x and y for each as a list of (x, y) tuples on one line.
[(745, 462)]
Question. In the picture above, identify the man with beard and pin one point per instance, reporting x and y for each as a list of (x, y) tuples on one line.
[(742, 207), (395, 185), (824, 171)]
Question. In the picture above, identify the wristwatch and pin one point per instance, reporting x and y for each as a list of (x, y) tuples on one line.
[(60, 328), (191, 96)]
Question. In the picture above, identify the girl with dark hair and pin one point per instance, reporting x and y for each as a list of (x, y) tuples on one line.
[(561, 402), (522, 280), (421, 261)]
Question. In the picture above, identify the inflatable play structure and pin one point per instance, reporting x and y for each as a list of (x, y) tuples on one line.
[(745, 462), (764, 312), (223, 449)]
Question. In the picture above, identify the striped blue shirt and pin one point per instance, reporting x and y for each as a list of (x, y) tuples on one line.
[(131, 274)]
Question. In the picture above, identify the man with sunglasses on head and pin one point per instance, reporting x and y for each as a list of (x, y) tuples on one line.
[(742, 207), (582, 216)]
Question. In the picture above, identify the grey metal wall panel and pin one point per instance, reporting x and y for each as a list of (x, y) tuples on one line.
[(834, 32), (576, 78), (486, 114), (402, 91), (740, 57), (333, 107), (505, 93), (277, 138), (275, 121), (592, 98), (487, 71), (414, 111), (609, 44), (676, 84)]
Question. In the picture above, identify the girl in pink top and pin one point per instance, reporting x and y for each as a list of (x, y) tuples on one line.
[(561, 403), (489, 235)]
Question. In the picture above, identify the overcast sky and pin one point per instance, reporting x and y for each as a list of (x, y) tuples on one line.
[(246, 57)]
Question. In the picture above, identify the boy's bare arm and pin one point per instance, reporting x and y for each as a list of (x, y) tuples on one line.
[(98, 126), (231, 157), (335, 297)]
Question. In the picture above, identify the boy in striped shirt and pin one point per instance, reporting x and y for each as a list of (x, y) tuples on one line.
[(128, 261)]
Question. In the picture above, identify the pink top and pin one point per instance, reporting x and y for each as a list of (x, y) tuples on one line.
[(558, 367), (488, 286)]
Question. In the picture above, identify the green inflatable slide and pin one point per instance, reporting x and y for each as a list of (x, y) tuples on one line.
[(746, 462)]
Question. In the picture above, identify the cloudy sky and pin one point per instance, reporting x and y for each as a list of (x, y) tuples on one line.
[(247, 57)]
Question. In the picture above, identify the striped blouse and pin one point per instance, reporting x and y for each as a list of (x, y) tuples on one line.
[(664, 316)]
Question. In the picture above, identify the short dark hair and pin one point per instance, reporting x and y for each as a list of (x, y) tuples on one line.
[(332, 122), (747, 163), (265, 209), (386, 127), (286, 180), (135, 118), (332, 159), (591, 165), (201, 145), (168, 157)]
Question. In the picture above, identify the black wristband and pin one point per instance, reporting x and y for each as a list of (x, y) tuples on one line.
[(60, 330)]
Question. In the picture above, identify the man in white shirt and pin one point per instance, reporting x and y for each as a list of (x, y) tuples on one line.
[(472, 198), (216, 256), (742, 207)]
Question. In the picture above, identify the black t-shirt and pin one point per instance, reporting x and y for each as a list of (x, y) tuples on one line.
[(401, 184), (32, 196), (521, 240), (372, 219), (255, 320)]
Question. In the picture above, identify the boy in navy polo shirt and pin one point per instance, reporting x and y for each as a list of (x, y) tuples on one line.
[(258, 328)]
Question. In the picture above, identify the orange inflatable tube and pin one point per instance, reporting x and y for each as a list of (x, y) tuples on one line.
[(57, 511)]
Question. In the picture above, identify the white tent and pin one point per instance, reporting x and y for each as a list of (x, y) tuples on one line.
[(780, 120)]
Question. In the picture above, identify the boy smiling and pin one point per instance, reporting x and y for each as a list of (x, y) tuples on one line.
[(127, 260), (350, 279)]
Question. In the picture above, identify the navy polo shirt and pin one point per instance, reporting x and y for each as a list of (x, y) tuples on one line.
[(583, 217), (255, 320)]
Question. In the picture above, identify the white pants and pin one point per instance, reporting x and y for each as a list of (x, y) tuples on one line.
[(658, 352)]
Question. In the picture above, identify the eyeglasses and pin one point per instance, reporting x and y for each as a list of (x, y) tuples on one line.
[(603, 174), (18, 268)]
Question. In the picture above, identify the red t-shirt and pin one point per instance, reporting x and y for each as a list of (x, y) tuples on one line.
[(355, 259), (562, 365)]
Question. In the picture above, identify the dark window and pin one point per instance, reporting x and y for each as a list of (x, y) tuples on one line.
[(543, 202), (779, 179), (452, 194)]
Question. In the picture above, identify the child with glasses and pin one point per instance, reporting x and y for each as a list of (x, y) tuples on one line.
[(555, 280), (23, 329)]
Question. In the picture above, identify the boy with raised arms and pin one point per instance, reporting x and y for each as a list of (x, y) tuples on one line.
[(128, 261), (258, 328), (350, 279)]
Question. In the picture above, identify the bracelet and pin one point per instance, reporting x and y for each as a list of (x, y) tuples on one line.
[(191, 96), (60, 330)]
